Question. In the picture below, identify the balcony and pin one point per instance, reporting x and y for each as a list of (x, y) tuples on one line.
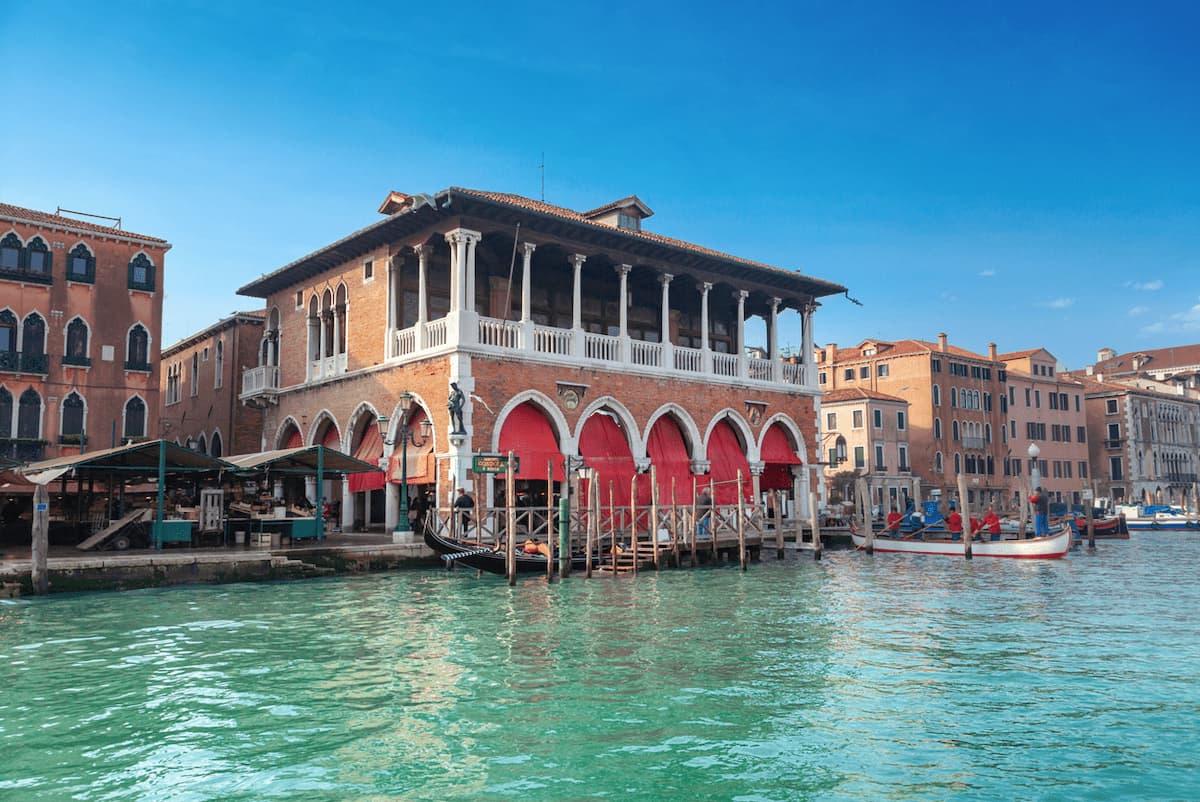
[(141, 367), (76, 361), (260, 385), (1180, 478), (975, 443), (1113, 443), (23, 362), (584, 349), (22, 449), (72, 440)]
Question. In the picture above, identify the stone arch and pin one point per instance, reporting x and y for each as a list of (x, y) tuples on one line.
[(792, 430), (365, 410), (740, 426), (318, 425), (637, 444), (565, 440), (288, 423), (216, 444), (394, 418), (686, 423)]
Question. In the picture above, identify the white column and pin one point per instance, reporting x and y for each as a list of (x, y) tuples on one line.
[(472, 241), (807, 345), (577, 259), (623, 313), (452, 241), (741, 296), (337, 331), (348, 505), (705, 354), (310, 489), (527, 249), (773, 341), (422, 251), (668, 349), (391, 490)]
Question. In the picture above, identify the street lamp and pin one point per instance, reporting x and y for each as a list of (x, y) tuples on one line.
[(1035, 476), (404, 435)]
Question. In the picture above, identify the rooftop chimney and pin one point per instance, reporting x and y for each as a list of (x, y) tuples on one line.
[(992, 351), (830, 352), (1105, 353), (941, 341)]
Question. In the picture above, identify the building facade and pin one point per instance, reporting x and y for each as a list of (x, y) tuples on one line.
[(957, 406), (866, 432), (574, 338), (1178, 365), (1046, 409), (200, 384), (80, 319)]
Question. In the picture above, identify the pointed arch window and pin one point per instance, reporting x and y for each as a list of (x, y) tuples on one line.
[(215, 445), (38, 260), (6, 413), (202, 445), (81, 265), (219, 364), (135, 418), (141, 273), (339, 327), (33, 344), (72, 420), (29, 415), (9, 357), (77, 344), (194, 377), (137, 349), (11, 249)]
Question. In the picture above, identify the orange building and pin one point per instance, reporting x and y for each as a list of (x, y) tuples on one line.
[(1046, 409), (80, 317), (201, 377), (866, 431), (957, 407), (575, 339)]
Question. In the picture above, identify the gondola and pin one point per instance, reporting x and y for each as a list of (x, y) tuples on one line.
[(488, 559)]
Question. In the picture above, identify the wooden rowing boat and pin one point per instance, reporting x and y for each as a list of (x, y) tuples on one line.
[(1051, 546), (486, 558)]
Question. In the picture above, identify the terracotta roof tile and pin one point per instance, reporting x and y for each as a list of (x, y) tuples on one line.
[(1159, 359), (11, 212), (1019, 354), (858, 394)]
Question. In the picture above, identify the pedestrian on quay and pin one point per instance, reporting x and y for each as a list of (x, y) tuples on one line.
[(464, 504), (1041, 512)]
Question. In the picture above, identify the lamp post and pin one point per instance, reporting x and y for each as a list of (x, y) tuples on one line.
[(404, 435), (1035, 475)]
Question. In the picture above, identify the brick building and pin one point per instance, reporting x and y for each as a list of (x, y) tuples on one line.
[(1046, 408), (866, 431), (571, 335), (80, 318), (200, 384), (957, 406)]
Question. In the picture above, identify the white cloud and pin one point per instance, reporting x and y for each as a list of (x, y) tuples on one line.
[(987, 272), (1058, 303), (1177, 322), (1138, 310), (1156, 284)]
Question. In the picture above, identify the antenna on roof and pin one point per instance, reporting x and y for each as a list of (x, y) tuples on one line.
[(59, 211), (542, 168)]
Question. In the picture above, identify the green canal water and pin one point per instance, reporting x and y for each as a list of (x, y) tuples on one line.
[(855, 678)]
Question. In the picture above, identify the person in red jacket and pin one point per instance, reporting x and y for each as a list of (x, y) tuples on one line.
[(992, 522), (893, 522), (973, 526), (954, 522)]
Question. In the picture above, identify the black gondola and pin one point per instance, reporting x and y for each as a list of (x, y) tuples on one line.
[(488, 559)]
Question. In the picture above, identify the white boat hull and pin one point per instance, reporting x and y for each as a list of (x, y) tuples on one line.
[(1050, 547)]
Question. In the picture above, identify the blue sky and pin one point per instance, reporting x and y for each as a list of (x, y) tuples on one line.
[(1020, 173)]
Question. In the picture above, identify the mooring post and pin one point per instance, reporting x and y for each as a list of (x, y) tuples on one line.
[(966, 515), (1090, 525), (741, 522), (564, 542), (564, 569), (815, 519), (674, 526), (712, 515), (41, 539), (510, 539), (778, 525), (861, 493), (612, 525), (592, 522), (695, 523), (633, 538), (654, 514)]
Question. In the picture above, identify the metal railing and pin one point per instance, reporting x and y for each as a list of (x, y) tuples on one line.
[(262, 379)]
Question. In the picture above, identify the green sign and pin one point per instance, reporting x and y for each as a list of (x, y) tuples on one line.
[(494, 463)]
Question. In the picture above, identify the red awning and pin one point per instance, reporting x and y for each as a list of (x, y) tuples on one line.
[(727, 458), (295, 440), (668, 453), (778, 457), (370, 449), (332, 439), (529, 435), (421, 467), (603, 446)]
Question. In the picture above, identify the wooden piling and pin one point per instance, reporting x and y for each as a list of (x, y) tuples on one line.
[(593, 522), (550, 525), (674, 527), (712, 515), (1091, 529), (633, 538), (41, 540), (965, 508), (778, 525), (612, 526), (741, 522), (654, 514), (814, 516), (510, 547), (695, 523), (862, 494)]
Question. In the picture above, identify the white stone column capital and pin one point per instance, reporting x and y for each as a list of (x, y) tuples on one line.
[(527, 248), (641, 464), (422, 249), (756, 468), (665, 278), (774, 303), (700, 467), (741, 295), (704, 286), (622, 270), (577, 259), (456, 235)]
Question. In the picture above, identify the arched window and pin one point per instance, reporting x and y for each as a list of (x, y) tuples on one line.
[(937, 462), (81, 265), (272, 354), (77, 343), (219, 364), (141, 273), (953, 398), (840, 449), (6, 412), (202, 444), (954, 431), (214, 445), (72, 420), (937, 395), (340, 326), (194, 379), (314, 331), (937, 428), (29, 415), (957, 463), (137, 349), (10, 253), (135, 417), (9, 358), (33, 344), (327, 324), (38, 260)]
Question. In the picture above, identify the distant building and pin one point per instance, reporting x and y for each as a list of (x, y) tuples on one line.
[(201, 380), (1177, 365), (957, 407), (80, 318), (866, 431), (1046, 408)]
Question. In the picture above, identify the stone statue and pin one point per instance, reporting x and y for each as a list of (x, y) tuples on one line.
[(455, 404)]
